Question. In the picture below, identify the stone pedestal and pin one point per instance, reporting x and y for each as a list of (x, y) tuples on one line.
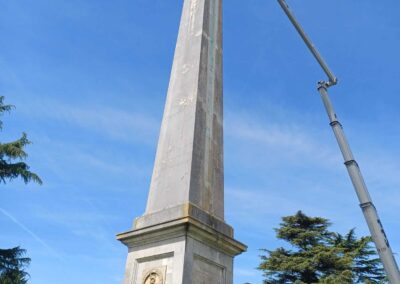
[(184, 250)]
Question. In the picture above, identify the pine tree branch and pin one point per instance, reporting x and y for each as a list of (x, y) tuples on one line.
[(9, 171), (4, 108), (15, 149)]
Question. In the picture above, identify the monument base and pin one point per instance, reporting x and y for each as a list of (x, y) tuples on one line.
[(180, 251)]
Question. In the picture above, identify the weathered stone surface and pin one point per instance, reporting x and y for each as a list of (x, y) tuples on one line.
[(190, 251), (182, 238), (206, 271), (183, 211), (189, 161)]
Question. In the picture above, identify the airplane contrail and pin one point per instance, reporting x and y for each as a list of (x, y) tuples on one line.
[(26, 229)]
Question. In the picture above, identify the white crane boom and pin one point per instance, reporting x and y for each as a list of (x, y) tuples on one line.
[(370, 213)]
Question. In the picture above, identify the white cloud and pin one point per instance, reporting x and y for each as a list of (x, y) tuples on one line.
[(117, 124), (282, 138), (286, 138), (70, 162)]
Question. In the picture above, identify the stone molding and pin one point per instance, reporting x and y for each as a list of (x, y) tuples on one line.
[(183, 211), (188, 227)]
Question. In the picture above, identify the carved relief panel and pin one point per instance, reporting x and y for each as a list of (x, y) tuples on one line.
[(154, 276)]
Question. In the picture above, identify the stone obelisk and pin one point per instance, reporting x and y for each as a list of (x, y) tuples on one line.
[(182, 238)]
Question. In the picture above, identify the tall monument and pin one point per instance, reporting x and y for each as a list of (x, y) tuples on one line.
[(182, 238)]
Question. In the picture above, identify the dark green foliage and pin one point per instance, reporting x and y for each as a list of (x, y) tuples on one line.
[(12, 155), (12, 265), (319, 255), (366, 267)]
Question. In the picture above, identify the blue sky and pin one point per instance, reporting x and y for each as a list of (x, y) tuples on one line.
[(89, 79)]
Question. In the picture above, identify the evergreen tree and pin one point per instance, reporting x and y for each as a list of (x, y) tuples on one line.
[(12, 155), (318, 255), (366, 267), (12, 265)]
